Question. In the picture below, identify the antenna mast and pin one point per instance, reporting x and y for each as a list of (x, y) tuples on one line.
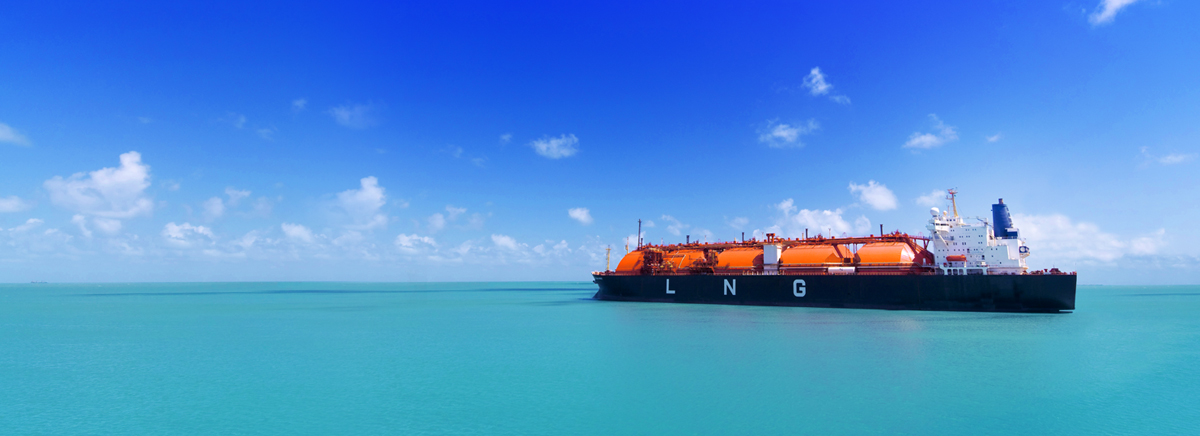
[(950, 193), (607, 258)]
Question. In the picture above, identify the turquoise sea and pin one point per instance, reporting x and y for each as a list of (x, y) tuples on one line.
[(543, 358)]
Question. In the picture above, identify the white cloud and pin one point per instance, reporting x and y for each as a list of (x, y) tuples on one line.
[(506, 138), (780, 135), (1149, 244), (81, 222), (235, 195), (506, 242), (739, 223), (1170, 159), (107, 192), (454, 212), (107, 225), (1056, 237), (674, 226), (925, 141), (362, 205), (214, 208), (13, 203), (875, 195), (1107, 10), (793, 222), (299, 104), (11, 136), (358, 116), (994, 138), (815, 82), (267, 133), (144, 120), (556, 148), (1176, 158), (412, 244), (436, 222), (236, 119), (933, 198), (185, 235), (297, 232), (29, 224), (817, 85), (581, 214)]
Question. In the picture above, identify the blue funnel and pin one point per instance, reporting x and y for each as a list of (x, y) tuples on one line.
[(1002, 222)]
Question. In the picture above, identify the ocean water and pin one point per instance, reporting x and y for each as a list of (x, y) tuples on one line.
[(543, 358)]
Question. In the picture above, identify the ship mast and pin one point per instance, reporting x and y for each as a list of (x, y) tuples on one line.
[(950, 193)]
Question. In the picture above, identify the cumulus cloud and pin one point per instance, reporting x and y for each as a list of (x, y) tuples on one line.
[(235, 195), (13, 203), (581, 214), (363, 204), (876, 195), (436, 222), (29, 224), (12, 136), (186, 235), (793, 222), (454, 212), (817, 85), (506, 242), (739, 223), (933, 198), (1058, 237), (1149, 244), (556, 147), (297, 232), (107, 225), (1107, 10), (781, 135), (81, 222), (674, 226), (108, 192), (815, 82), (506, 138), (413, 244), (994, 138), (214, 208), (299, 104), (356, 116), (942, 134)]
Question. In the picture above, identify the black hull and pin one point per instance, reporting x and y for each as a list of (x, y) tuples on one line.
[(987, 293)]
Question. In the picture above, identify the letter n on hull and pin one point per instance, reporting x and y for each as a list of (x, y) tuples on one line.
[(730, 289)]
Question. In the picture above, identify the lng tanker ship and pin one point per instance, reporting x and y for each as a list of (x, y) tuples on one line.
[(962, 265)]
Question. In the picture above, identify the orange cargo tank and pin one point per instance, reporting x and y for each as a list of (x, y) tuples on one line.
[(631, 263), (814, 255), (886, 253), (739, 260)]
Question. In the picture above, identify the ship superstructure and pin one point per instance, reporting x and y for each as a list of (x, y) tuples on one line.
[(961, 247), (964, 264)]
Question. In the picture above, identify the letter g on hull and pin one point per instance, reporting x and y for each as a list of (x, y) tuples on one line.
[(798, 288)]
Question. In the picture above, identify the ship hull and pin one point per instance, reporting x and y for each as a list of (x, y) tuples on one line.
[(987, 293)]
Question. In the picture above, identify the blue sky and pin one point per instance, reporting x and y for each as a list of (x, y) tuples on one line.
[(480, 141)]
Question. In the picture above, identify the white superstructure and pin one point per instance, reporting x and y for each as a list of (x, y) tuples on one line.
[(961, 248)]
